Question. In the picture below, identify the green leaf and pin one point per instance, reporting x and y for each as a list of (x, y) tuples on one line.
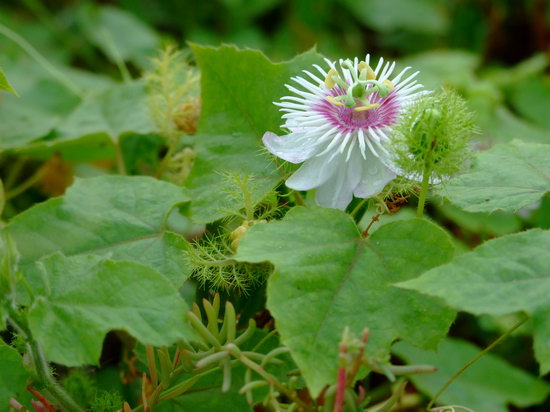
[(530, 99), (119, 34), (497, 223), (488, 385), (119, 216), (13, 375), (87, 296), (327, 277), (541, 332), (119, 109), (507, 176), (28, 123), (451, 67), (499, 277), (141, 153), (35, 114), (9, 259), (388, 15), (505, 126), (5, 84), (39, 125), (238, 88)]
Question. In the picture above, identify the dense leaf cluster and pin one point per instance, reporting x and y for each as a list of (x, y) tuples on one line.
[(110, 261)]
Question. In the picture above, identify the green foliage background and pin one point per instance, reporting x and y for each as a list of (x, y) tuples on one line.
[(84, 102)]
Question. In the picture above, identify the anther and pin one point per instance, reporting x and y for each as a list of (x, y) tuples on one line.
[(364, 108), (329, 80), (334, 101)]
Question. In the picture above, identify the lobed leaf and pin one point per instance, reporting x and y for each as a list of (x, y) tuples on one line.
[(499, 277), (13, 375), (87, 296), (481, 387), (117, 216), (328, 278), (506, 177)]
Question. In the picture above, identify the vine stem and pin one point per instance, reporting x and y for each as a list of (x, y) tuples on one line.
[(115, 54), (365, 233), (31, 181), (358, 207), (473, 360), (121, 166), (172, 144), (299, 198), (41, 365)]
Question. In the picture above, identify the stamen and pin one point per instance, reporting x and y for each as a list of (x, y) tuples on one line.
[(388, 83), (333, 101), (330, 81), (364, 66), (364, 108)]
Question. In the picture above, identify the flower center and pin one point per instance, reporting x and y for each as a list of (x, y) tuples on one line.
[(358, 100), (383, 112)]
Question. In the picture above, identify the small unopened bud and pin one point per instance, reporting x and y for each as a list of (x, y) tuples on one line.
[(187, 116), (238, 233), (434, 134)]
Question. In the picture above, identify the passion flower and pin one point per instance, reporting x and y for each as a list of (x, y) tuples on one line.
[(340, 123)]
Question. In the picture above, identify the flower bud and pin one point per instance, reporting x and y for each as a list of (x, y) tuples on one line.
[(434, 135), (187, 116)]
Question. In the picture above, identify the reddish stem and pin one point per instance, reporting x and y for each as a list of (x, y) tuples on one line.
[(47, 405), (365, 233), (340, 390)]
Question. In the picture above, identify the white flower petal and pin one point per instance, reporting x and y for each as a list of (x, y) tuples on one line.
[(313, 173), (337, 192), (294, 147), (375, 175)]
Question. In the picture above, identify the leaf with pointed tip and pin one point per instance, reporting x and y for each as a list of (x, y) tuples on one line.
[(481, 387), (238, 88), (5, 84), (13, 375), (117, 216), (119, 33), (117, 110), (499, 277), (87, 296), (328, 278), (41, 106), (507, 176)]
